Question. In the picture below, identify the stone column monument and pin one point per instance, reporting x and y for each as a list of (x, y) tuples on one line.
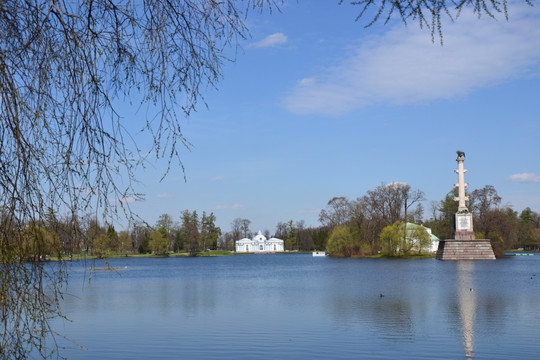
[(464, 246), (464, 223)]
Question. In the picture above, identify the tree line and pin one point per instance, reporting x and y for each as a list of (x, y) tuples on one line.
[(374, 223)]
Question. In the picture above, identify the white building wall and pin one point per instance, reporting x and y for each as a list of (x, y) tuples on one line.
[(259, 246)]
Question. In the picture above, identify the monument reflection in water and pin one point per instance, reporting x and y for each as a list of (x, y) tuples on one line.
[(467, 305)]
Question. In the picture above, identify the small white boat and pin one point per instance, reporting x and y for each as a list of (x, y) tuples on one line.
[(319, 253)]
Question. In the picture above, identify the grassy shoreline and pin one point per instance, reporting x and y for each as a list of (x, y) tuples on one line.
[(77, 257), (216, 253)]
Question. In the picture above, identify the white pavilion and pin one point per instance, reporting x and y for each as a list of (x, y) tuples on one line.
[(433, 240), (259, 243)]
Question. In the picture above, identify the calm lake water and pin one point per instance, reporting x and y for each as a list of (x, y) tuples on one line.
[(301, 307)]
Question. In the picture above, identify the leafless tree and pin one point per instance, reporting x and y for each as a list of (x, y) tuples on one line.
[(246, 232), (391, 201), (226, 241), (240, 228), (282, 230), (337, 212), (428, 13), (64, 68), (236, 229), (304, 235), (385, 205), (483, 200)]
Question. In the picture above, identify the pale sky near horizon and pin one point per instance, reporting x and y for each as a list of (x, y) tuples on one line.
[(317, 106)]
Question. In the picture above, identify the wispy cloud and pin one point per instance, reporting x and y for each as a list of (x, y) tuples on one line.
[(309, 211), (226, 207), (128, 200), (165, 195), (218, 178), (271, 40), (404, 66), (525, 178)]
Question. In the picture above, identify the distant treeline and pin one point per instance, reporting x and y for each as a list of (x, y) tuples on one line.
[(348, 228)]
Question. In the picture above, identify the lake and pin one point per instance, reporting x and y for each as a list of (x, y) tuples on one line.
[(296, 306)]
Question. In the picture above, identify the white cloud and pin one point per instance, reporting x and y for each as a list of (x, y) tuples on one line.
[(218, 178), (404, 66), (165, 195), (525, 178), (271, 40), (307, 82), (127, 200), (225, 207)]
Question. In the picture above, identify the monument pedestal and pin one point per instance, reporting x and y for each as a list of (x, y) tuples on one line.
[(464, 235), (454, 249), (464, 246)]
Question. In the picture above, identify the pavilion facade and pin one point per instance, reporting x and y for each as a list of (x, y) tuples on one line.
[(259, 244)]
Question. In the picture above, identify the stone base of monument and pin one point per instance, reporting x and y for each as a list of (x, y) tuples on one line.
[(456, 249), (464, 235)]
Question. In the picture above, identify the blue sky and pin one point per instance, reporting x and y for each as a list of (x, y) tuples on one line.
[(317, 106)]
